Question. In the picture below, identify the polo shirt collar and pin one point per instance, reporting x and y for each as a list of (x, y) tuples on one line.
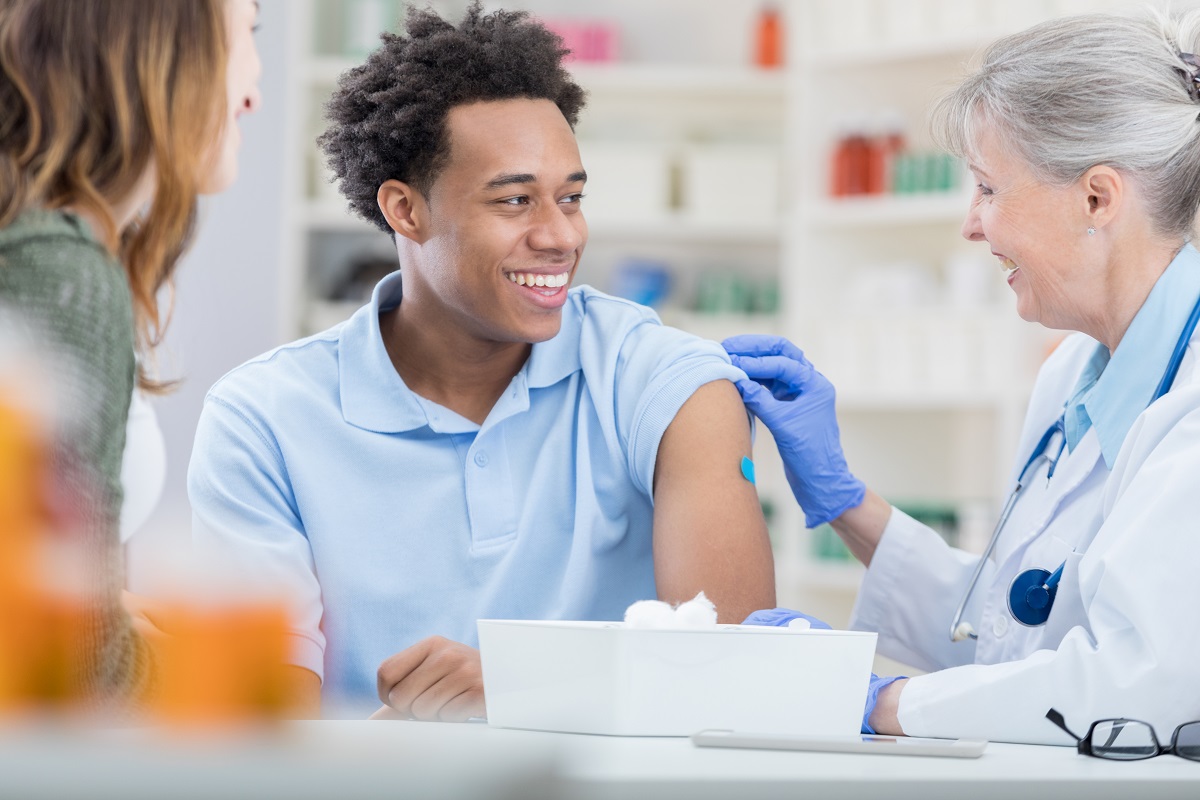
[(1113, 391), (555, 359), (374, 396)]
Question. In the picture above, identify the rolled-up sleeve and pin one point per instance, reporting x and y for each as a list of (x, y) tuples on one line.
[(659, 368)]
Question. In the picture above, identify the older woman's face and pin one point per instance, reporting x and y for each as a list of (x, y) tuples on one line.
[(1038, 233)]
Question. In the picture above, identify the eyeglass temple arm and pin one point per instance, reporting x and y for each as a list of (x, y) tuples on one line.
[(1054, 716)]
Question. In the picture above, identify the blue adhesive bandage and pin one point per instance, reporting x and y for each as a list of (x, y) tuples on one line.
[(748, 469)]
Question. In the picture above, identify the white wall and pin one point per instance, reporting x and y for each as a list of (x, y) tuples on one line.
[(226, 308)]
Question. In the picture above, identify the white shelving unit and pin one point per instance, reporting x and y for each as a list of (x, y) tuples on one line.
[(666, 116), (887, 211), (939, 430), (932, 363)]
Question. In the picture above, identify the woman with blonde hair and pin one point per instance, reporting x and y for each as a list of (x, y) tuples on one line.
[(117, 115)]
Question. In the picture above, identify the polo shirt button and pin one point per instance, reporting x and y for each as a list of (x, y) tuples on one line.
[(1000, 626), (481, 459)]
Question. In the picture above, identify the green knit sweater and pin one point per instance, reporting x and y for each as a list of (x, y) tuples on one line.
[(69, 291)]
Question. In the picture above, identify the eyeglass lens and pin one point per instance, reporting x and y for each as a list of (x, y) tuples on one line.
[(1187, 741), (1125, 739)]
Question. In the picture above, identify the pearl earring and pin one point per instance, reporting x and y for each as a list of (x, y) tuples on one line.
[(1091, 231)]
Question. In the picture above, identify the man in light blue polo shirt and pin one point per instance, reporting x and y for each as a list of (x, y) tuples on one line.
[(478, 441)]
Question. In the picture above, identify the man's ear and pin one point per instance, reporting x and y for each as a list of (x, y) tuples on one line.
[(1104, 188), (405, 209)]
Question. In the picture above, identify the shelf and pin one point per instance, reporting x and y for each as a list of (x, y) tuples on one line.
[(675, 79), (811, 573), (325, 70), (900, 52), (332, 218), (891, 401), (716, 327), (625, 78), (324, 314), (678, 227), (890, 210)]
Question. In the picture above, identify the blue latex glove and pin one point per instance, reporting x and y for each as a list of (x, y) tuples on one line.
[(797, 404), (873, 689), (780, 617)]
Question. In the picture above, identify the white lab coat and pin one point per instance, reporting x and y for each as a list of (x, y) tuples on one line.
[(1122, 638)]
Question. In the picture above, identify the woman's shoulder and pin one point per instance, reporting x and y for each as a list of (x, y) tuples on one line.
[(41, 225), (52, 258), (69, 292)]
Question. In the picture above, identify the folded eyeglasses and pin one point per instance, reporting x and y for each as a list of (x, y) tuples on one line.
[(1131, 739)]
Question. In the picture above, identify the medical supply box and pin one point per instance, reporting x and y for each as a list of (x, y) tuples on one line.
[(601, 677)]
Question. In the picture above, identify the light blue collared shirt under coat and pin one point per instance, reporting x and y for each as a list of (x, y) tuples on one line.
[(389, 518), (1114, 389)]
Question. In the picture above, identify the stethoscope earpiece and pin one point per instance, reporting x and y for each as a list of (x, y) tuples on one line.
[(963, 631)]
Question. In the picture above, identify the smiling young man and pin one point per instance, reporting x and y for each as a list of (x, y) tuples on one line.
[(478, 441)]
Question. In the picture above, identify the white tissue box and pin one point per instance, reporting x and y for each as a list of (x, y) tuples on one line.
[(600, 677)]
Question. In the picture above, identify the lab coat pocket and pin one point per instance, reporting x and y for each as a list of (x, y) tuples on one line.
[(1068, 611)]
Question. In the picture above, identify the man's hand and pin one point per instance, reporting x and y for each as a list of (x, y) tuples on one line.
[(435, 679), (149, 617)]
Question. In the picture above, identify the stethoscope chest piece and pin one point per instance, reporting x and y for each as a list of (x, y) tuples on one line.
[(1031, 596)]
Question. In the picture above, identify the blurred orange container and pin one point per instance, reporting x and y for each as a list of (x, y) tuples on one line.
[(223, 664)]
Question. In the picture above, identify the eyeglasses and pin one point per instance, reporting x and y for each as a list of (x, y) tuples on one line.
[(1131, 739)]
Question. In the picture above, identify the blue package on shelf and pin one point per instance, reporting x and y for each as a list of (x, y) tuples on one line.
[(642, 281)]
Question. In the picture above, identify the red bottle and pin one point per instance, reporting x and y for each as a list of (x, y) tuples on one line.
[(878, 159), (839, 167), (891, 144), (858, 163), (768, 38)]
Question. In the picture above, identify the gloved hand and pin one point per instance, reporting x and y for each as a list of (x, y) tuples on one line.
[(797, 404), (873, 689), (780, 617)]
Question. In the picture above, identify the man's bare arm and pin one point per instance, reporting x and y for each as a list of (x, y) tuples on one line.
[(709, 532)]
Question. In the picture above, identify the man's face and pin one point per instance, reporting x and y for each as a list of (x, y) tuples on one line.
[(505, 228)]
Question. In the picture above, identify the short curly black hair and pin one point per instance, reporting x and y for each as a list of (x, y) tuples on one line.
[(388, 116)]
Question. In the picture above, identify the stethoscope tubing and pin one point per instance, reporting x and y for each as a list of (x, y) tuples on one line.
[(1168, 378), (957, 635), (960, 630)]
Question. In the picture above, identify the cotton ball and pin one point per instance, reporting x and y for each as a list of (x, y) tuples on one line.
[(649, 614), (699, 612), (799, 624)]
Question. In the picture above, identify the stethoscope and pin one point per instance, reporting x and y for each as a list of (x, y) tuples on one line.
[(1031, 594)]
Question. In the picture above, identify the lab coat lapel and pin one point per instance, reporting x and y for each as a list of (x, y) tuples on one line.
[(1072, 470)]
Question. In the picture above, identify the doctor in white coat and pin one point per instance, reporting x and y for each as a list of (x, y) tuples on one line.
[(1083, 136)]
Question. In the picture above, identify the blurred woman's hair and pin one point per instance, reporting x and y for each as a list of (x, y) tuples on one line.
[(1077, 92), (99, 95)]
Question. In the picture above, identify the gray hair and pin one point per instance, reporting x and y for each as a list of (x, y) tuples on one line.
[(1073, 93)]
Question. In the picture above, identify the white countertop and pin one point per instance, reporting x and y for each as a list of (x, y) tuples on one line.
[(358, 759)]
